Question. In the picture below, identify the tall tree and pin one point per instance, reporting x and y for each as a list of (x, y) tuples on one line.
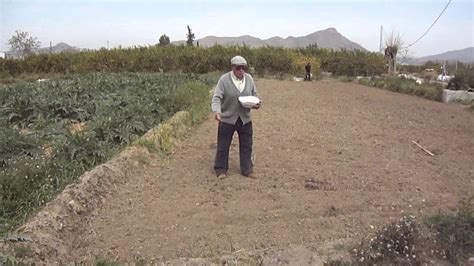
[(23, 43), (190, 37), (164, 40), (393, 44)]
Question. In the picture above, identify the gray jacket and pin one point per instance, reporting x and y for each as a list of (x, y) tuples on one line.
[(226, 99)]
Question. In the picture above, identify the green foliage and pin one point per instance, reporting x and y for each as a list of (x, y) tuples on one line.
[(345, 78), (106, 262), (51, 132), (457, 83), (14, 144), (463, 73), (6, 259), (186, 96), (191, 59), (407, 86), (348, 63), (441, 237), (23, 43), (147, 144), (419, 68), (463, 80), (164, 40), (190, 37), (455, 232)]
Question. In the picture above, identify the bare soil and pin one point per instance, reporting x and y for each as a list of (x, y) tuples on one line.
[(334, 162)]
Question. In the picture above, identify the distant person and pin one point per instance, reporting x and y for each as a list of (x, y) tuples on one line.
[(308, 72), (232, 116)]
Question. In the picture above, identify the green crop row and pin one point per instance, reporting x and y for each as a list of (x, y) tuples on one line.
[(52, 132)]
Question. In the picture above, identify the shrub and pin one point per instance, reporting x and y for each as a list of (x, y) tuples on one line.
[(394, 243), (462, 81), (455, 232), (408, 86)]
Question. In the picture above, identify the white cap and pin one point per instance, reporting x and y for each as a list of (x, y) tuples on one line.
[(238, 61)]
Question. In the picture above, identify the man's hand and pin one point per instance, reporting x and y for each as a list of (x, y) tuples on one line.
[(218, 116), (257, 106)]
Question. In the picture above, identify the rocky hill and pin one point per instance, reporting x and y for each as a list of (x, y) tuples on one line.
[(328, 38), (58, 48), (464, 55)]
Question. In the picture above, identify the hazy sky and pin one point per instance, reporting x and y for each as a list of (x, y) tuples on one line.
[(91, 24)]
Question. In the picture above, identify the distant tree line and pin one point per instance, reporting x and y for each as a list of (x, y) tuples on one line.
[(193, 59), (189, 58)]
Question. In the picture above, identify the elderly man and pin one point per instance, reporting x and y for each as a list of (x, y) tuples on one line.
[(232, 116)]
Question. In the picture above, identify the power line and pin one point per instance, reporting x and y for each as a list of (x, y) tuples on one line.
[(431, 25)]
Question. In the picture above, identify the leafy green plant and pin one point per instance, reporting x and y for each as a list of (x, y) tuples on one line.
[(64, 127)]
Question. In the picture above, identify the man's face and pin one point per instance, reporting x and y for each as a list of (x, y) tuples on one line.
[(239, 71)]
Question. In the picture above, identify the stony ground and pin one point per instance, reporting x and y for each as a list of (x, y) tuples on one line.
[(334, 162)]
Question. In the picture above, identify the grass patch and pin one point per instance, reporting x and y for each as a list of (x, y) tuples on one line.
[(147, 144), (407, 86), (444, 238), (455, 232), (344, 78), (105, 262), (22, 252), (141, 158), (6, 259)]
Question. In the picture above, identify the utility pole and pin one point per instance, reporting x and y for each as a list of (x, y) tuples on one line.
[(381, 45), (107, 45), (50, 47)]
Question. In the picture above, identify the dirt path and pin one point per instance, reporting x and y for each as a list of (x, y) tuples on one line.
[(355, 143)]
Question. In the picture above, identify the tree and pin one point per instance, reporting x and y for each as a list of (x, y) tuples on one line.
[(23, 43), (190, 37), (164, 40), (393, 44)]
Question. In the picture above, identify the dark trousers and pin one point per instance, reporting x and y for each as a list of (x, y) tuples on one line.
[(224, 139), (307, 76)]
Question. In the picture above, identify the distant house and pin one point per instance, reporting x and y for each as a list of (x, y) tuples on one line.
[(2, 55)]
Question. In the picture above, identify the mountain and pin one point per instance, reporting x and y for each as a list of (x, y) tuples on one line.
[(464, 55), (328, 38), (58, 48)]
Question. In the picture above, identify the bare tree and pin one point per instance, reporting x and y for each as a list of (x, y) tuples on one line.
[(393, 44), (23, 43)]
